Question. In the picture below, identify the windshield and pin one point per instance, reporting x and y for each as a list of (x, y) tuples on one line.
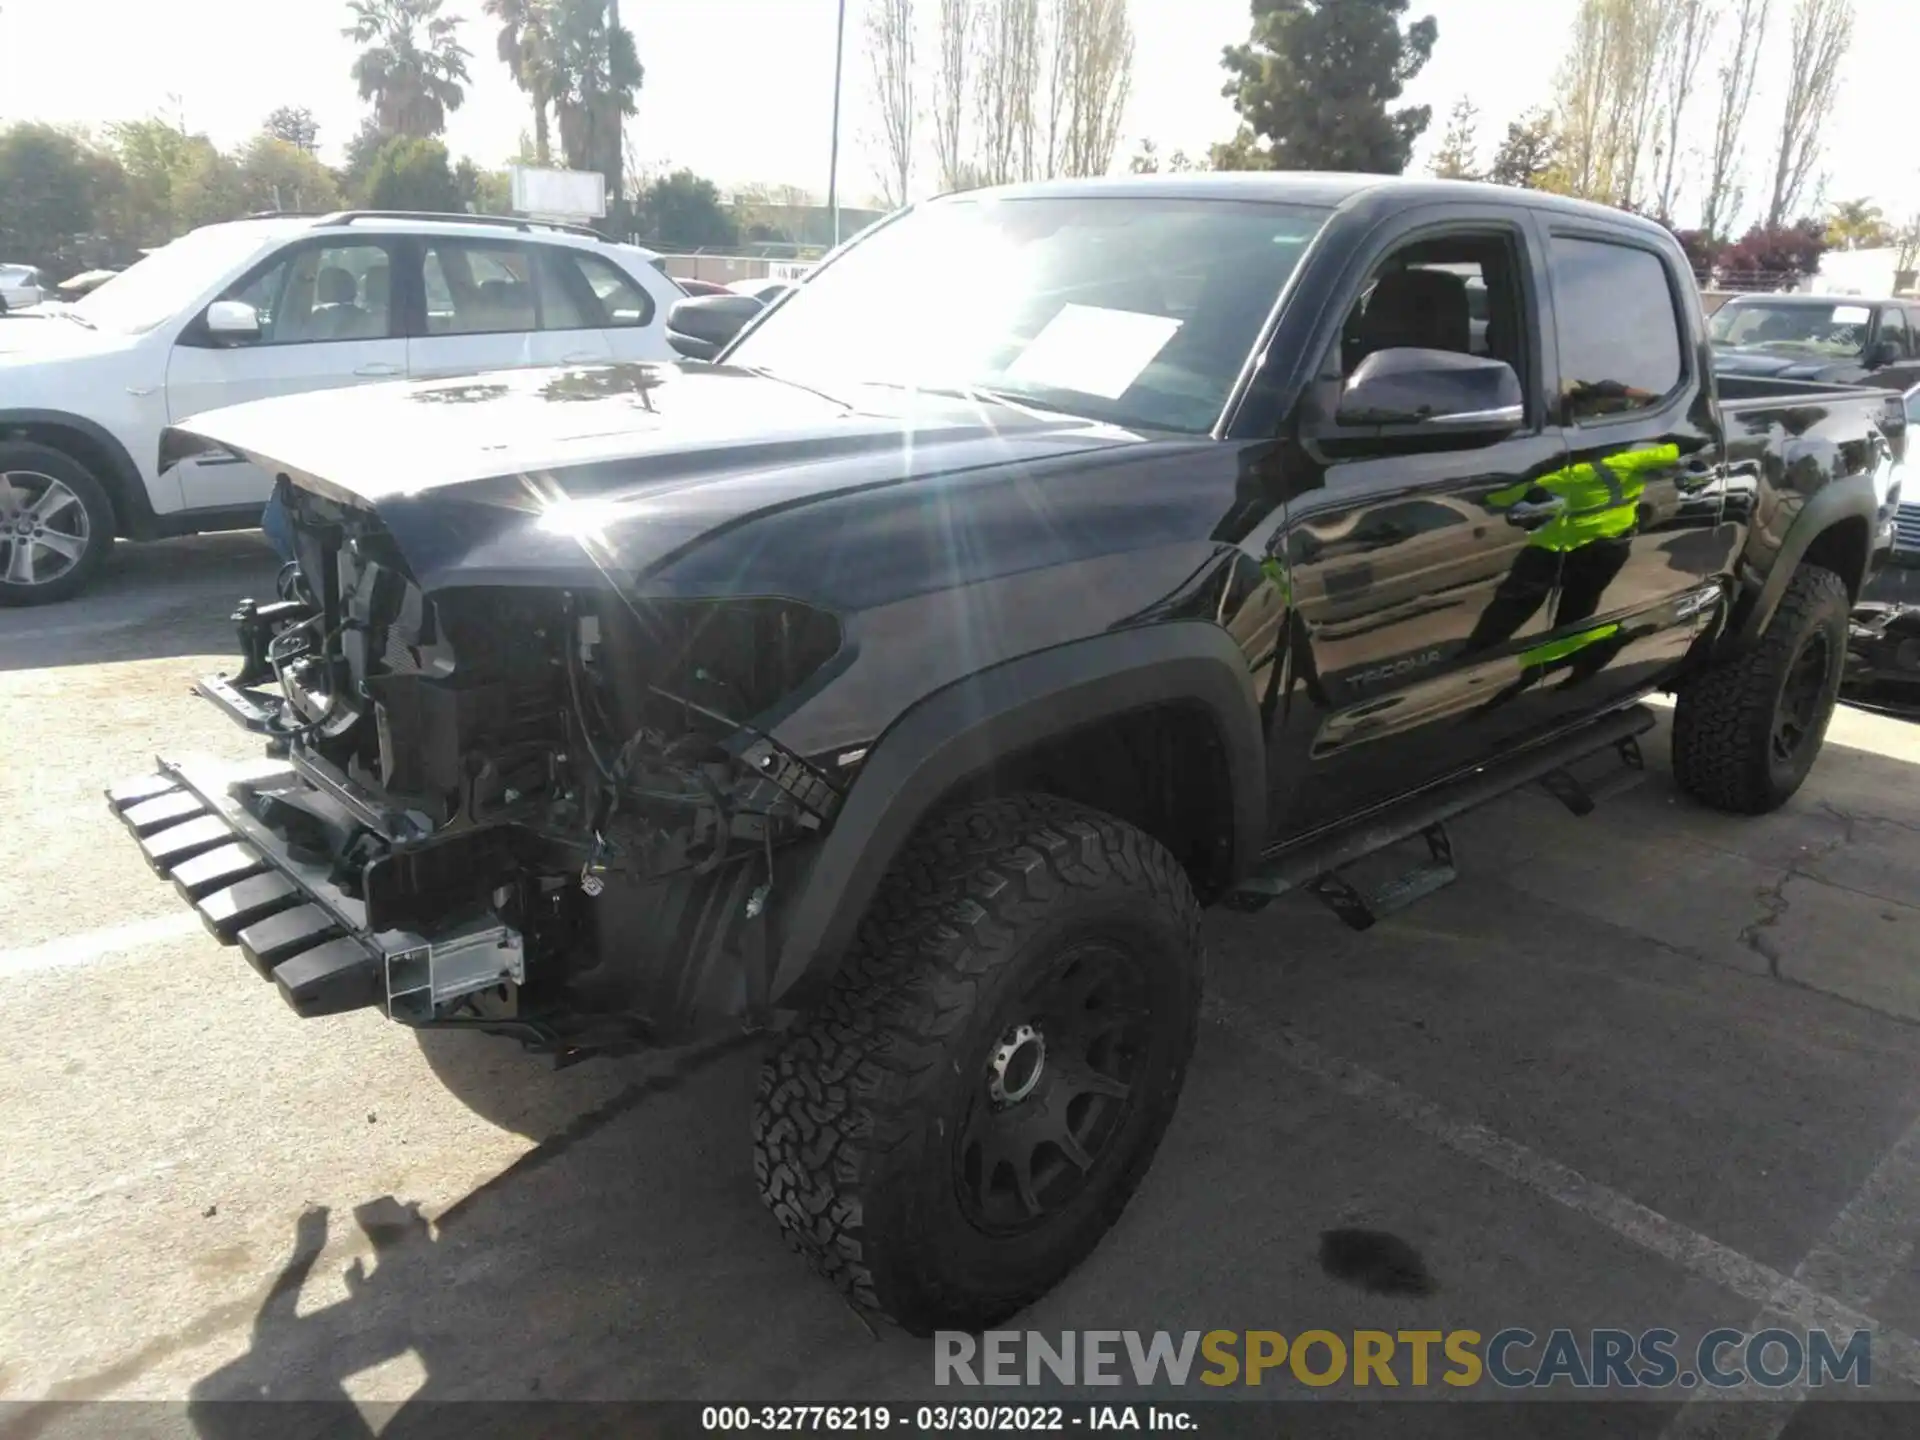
[(160, 286), (1134, 310), (1836, 330)]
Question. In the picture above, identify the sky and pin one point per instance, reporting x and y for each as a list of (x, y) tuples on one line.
[(742, 90)]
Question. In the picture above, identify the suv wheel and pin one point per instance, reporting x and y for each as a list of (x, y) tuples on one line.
[(56, 524), (972, 1106), (1746, 732)]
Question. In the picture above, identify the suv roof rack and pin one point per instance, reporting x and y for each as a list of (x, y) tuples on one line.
[(449, 217)]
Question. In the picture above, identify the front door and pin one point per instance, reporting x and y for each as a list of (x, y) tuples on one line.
[(327, 318), (1635, 514), (499, 305), (1415, 582)]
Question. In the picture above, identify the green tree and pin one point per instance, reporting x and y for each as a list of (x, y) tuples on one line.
[(1458, 157), (59, 191), (295, 125), (414, 66), (1314, 82), (277, 174), (484, 192), (1529, 157), (683, 211), (526, 46), (362, 150), (411, 173), (174, 180)]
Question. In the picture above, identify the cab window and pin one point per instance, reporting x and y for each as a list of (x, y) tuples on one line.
[(1620, 345)]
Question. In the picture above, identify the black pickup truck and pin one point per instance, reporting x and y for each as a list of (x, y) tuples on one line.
[(904, 681)]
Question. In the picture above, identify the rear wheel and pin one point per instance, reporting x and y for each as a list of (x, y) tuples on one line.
[(1746, 732), (56, 524), (971, 1108)]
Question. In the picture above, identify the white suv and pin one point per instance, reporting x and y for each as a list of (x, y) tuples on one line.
[(272, 306)]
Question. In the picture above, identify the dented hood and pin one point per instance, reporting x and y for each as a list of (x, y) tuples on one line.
[(614, 472)]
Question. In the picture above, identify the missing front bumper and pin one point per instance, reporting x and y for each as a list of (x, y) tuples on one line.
[(293, 924)]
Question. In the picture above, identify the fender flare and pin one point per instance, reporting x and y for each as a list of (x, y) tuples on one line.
[(1844, 498), (132, 506), (956, 732)]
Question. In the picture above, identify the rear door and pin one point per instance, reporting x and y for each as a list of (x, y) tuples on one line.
[(629, 308), (1414, 586), (486, 304), (327, 318), (1635, 516)]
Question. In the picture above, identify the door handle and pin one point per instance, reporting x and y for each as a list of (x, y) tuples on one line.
[(1697, 475), (1531, 514), (377, 369), (580, 357)]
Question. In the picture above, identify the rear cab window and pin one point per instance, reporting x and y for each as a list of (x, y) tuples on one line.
[(1621, 343)]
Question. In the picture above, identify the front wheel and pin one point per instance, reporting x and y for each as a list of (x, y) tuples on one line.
[(964, 1117), (1747, 731), (56, 524)]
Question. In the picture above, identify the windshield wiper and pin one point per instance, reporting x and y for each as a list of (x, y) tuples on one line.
[(77, 318)]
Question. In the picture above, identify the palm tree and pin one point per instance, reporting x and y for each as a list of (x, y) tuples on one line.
[(526, 46), (1857, 225), (413, 67), (598, 71)]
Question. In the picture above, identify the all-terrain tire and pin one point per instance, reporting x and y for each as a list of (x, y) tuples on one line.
[(30, 468), (1724, 742), (860, 1114)]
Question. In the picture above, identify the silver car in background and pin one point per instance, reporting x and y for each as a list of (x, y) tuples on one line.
[(20, 287)]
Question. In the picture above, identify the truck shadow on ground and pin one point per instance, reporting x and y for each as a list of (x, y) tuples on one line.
[(625, 1257), (149, 602)]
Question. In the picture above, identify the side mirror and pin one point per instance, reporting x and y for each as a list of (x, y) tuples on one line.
[(1884, 352), (701, 326), (233, 320), (1440, 391)]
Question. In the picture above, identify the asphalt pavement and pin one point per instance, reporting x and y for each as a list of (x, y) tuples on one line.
[(1653, 1067)]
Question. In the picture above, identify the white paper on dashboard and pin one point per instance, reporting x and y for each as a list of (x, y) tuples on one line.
[(1093, 350), (1851, 314)]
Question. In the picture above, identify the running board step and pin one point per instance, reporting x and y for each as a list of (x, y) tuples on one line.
[(1361, 906), (1316, 865), (1581, 792)]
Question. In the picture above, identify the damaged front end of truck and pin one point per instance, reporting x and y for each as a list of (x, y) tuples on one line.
[(550, 810)]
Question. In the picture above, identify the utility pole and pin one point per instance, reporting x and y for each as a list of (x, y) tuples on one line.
[(833, 163), (616, 147)]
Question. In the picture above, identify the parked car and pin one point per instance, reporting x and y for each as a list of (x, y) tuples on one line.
[(765, 288), (699, 287), (918, 670), (1836, 338), (87, 281), (271, 307), (20, 286)]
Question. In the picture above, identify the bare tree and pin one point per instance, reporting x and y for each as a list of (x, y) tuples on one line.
[(953, 48), (1822, 32), (1607, 95), (1689, 31), (1730, 116), (889, 35), (1091, 72), (1006, 72)]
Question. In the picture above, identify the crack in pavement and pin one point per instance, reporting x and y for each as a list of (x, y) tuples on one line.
[(1774, 903)]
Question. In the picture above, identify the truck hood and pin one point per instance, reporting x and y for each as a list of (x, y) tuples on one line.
[(1731, 361), (557, 476)]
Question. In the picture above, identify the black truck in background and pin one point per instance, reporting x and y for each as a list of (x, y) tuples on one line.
[(906, 679)]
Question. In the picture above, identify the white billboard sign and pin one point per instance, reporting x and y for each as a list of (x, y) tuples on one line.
[(562, 194)]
